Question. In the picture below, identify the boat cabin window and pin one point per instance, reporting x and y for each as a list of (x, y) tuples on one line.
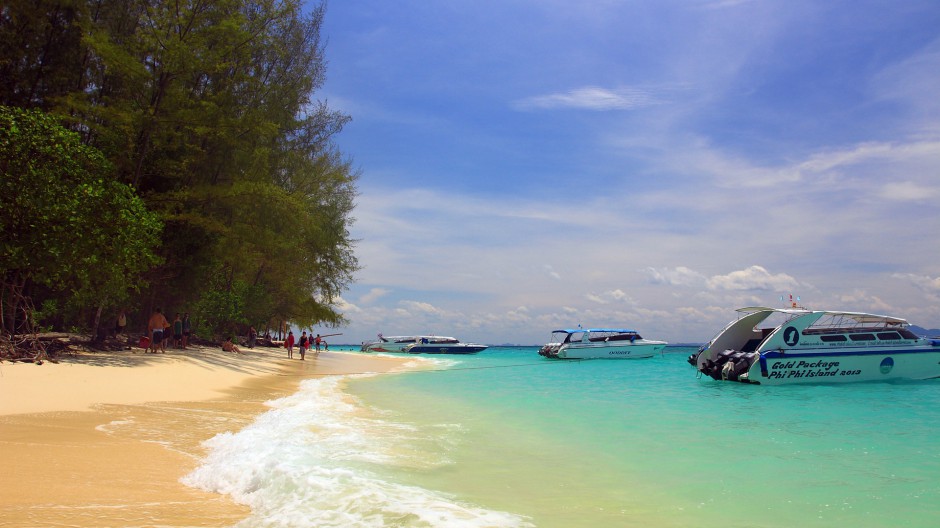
[(832, 338), (862, 337), (889, 336), (907, 334), (615, 337)]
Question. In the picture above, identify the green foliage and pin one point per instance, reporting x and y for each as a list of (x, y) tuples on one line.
[(66, 223), (205, 112)]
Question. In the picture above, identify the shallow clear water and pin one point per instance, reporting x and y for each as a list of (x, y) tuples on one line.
[(507, 438)]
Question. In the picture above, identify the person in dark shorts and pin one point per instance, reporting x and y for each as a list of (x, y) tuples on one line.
[(178, 331), (155, 327), (187, 330)]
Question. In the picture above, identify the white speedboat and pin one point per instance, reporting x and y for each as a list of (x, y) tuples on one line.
[(596, 343), (389, 343), (442, 345), (780, 346)]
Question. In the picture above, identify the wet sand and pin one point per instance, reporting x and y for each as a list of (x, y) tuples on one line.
[(102, 439)]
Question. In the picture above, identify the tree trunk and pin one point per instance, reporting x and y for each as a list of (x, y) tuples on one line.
[(94, 325)]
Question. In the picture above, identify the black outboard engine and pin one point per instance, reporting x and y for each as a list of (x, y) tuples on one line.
[(729, 365), (693, 359)]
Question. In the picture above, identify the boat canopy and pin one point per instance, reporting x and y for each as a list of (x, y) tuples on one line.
[(858, 317), (571, 331)]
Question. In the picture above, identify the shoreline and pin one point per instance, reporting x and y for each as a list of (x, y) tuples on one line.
[(104, 438)]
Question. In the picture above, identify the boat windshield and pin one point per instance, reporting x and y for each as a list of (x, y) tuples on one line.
[(565, 336), (853, 323)]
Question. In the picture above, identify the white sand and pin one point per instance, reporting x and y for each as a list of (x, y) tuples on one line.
[(102, 438)]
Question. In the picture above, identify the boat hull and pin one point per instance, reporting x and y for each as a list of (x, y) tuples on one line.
[(445, 349), (384, 347), (606, 351), (773, 368), (818, 346)]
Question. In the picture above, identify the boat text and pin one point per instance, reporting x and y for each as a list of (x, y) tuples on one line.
[(808, 369)]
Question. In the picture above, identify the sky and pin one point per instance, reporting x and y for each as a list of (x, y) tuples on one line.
[(527, 165)]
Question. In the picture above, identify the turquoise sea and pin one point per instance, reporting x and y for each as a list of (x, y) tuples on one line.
[(508, 438)]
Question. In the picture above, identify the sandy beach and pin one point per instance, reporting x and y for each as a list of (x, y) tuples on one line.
[(102, 438)]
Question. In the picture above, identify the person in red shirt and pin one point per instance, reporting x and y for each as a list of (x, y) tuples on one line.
[(289, 343)]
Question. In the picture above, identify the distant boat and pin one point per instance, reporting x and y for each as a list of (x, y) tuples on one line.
[(442, 345), (389, 344), (598, 343), (809, 346)]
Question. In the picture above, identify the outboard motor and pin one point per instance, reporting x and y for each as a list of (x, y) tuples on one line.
[(693, 359), (731, 365)]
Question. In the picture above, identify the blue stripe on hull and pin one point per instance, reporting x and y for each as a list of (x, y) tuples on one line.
[(773, 354)]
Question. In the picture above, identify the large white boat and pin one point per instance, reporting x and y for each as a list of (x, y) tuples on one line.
[(596, 343), (389, 343), (442, 345), (776, 346)]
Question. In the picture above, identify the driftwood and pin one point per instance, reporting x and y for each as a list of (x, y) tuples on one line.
[(48, 346)]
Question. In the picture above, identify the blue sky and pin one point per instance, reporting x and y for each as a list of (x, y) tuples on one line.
[(534, 164)]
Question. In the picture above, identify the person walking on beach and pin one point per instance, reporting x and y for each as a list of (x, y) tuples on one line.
[(155, 327), (178, 332), (317, 342), (289, 343), (187, 330), (303, 345)]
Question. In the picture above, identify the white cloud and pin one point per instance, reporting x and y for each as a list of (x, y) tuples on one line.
[(921, 281), (551, 272), (752, 278), (864, 301), (347, 307), (678, 276), (421, 307), (607, 297), (592, 98), (373, 295), (520, 314), (907, 191)]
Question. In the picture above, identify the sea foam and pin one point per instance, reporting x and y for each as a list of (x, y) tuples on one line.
[(316, 458)]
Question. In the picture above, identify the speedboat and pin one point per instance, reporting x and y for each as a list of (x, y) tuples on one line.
[(389, 344), (775, 346), (596, 343), (442, 345)]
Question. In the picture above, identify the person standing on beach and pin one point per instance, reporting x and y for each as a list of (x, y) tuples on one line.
[(187, 330), (303, 345), (166, 335), (317, 342), (178, 331), (121, 323), (155, 327), (289, 343), (252, 336)]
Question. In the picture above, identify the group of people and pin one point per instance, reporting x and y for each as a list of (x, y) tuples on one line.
[(304, 343), (160, 331)]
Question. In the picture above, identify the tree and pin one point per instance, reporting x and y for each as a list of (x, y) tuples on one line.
[(66, 223), (207, 111)]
